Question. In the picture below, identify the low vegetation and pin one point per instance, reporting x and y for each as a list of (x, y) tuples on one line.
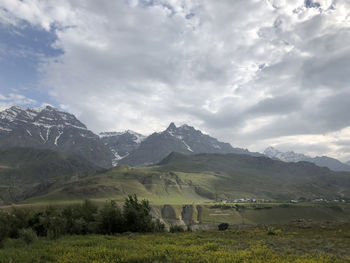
[(298, 242)]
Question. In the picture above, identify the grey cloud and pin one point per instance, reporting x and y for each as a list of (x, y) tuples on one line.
[(330, 72), (144, 64), (277, 106)]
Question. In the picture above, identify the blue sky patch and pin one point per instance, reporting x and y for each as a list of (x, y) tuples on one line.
[(22, 49)]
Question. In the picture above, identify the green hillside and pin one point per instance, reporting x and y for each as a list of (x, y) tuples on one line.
[(201, 178), (26, 172)]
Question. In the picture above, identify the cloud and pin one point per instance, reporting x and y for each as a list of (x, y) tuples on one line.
[(250, 72), (11, 99)]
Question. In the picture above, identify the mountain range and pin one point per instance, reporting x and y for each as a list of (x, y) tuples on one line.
[(184, 139), (322, 161), (49, 128), (49, 155)]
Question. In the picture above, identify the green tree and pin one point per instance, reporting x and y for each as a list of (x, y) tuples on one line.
[(137, 215), (4, 226), (110, 219)]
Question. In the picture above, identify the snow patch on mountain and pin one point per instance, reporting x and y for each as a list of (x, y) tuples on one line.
[(121, 144), (187, 146), (138, 138), (58, 137), (285, 156), (322, 161)]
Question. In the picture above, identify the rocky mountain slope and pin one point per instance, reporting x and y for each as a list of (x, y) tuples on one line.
[(184, 139), (49, 128), (322, 161), (121, 144)]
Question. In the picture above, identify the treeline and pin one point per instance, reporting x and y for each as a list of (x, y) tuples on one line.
[(79, 219)]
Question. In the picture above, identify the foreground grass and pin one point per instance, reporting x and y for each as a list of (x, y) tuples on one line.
[(292, 243)]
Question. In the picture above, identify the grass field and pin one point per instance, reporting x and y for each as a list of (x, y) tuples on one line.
[(299, 242)]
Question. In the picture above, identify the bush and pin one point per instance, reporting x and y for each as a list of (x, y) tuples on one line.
[(110, 219), (28, 235), (53, 223), (223, 226), (176, 228), (137, 215), (4, 230), (79, 219), (19, 218), (337, 208), (158, 226), (36, 223)]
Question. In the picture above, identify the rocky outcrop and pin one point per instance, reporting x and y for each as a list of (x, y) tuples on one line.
[(190, 215), (187, 214), (168, 214), (199, 213)]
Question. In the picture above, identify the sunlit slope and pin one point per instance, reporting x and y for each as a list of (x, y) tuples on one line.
[(208, 177), (26, 172)]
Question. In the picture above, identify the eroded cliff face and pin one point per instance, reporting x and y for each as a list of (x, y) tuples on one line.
[(199, 214), (168, 214), (186, 215)]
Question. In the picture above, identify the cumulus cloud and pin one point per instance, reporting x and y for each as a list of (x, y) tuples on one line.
[(249, 72), (11, 99)]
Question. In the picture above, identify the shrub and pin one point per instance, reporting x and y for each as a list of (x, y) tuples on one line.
[(158, 226), (337, 208), (110, 219), (137, 215), (223, 226), (4, 230), (53, 223), (80, 219), (176, 228), (28, 235), (89, 211), (36, 223), (19, 219)]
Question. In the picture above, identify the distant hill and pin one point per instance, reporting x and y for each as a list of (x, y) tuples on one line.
[(184, 139), (49, 128), (26, 172), (181, 178), (322, 161)]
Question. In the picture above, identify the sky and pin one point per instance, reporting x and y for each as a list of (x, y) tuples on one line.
[(254, 73)]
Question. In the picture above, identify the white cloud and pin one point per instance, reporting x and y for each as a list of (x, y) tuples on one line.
[(250, 72), (11, 99)]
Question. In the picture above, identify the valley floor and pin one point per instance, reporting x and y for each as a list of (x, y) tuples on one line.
[(297, 242)]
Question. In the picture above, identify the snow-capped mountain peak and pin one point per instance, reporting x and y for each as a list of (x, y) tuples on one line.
[(50, 128), (121, 144), (183, 139), (291, 156)]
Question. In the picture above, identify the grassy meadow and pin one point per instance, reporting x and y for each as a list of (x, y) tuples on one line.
[(298, 242)]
